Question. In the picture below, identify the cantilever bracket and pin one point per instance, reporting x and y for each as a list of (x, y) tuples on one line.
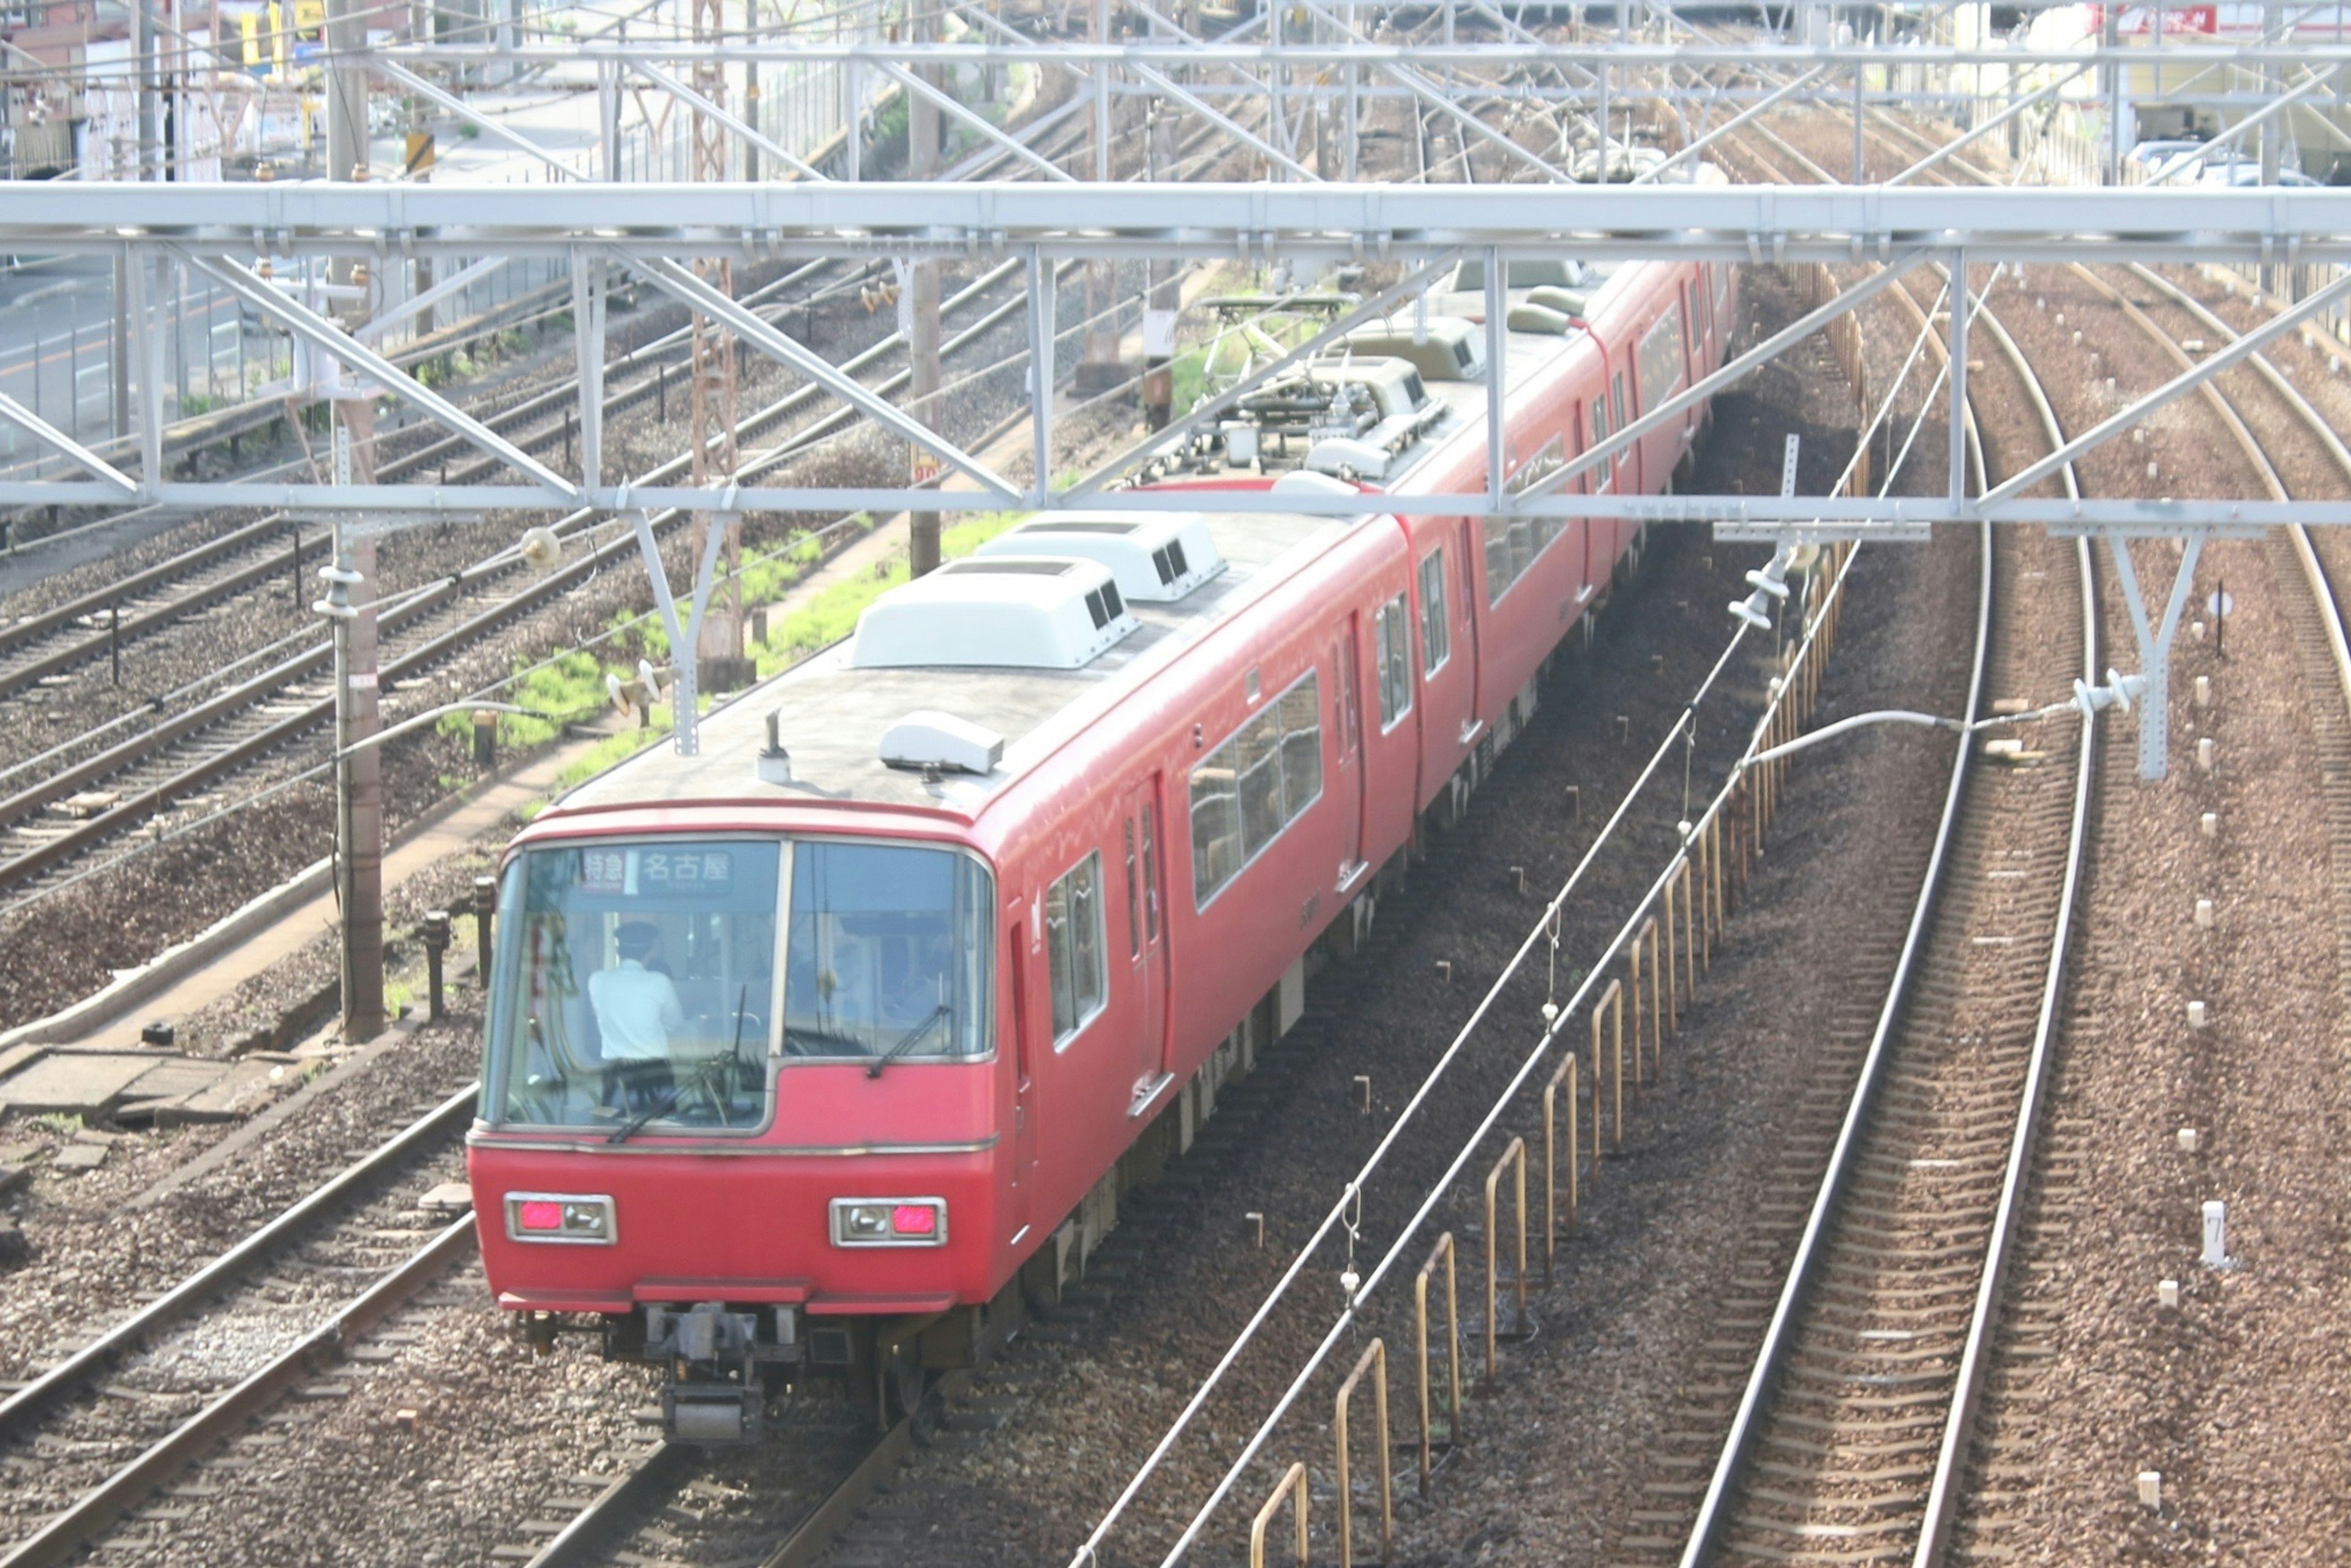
[(2155, 646)]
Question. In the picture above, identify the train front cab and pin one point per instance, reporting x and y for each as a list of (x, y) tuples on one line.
[(771, 1047)]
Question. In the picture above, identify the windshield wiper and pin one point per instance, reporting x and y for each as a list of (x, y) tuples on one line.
[(906, 1041), (734, 1057)]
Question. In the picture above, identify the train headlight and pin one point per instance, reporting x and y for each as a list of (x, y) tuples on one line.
[(889, 1221), (564, 1217)]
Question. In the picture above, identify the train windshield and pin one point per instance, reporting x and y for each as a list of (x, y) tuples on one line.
[(635, 984), (888, 956)]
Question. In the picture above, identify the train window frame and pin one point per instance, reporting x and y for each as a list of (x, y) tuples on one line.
[(1217, 762), (1436, 625), (510, 928), (1660, 339), (1517, 543), (1081, 1018), (1134, 897), (990, 1020), (1392, 659)]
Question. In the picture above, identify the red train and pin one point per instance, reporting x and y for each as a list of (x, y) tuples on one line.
[(807, 1054)]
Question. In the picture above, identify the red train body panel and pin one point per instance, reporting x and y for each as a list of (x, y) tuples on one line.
[(995, 1143)]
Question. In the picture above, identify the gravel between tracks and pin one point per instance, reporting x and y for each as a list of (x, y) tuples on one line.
[(1082, 1402), (93, 1248), (2242, 1398)]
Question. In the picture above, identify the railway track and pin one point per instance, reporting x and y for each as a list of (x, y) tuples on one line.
[(39, 648), (1848, 1431), (109, 781), (2296, 454), (92, 1437)]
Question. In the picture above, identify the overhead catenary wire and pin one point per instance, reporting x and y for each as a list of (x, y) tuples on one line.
[(1087, 1554)]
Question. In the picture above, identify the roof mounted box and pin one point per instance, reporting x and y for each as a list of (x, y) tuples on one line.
[(925, 739), (996, 613), (1154, 556)]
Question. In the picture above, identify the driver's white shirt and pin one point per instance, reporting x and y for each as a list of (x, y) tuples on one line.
[(637, 1010)]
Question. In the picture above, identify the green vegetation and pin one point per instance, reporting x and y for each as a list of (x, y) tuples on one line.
[(59, 1121), (571, 686)]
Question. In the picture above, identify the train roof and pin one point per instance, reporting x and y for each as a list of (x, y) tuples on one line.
[(830, 712)]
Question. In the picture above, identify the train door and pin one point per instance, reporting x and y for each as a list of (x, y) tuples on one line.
[(1019, 953), (1146, 941), (1351, 749)]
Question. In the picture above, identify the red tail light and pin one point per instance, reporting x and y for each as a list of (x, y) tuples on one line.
[(539, 1216), (914, 1219)]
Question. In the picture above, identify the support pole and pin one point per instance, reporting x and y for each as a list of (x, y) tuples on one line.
[(1100, 370), (2154, 647), (1960, 303), (143, 45), (347, 91), (2273, 82), (1497, 306), (922, 317), (1042, 333), (1164, 297), (350, 604)]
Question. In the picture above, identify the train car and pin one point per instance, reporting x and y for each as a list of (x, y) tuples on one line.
[(813, 1054)]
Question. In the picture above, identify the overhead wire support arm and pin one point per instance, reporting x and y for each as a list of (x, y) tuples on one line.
[(702, 104), (325, 335), (680, 282), (488, 124)]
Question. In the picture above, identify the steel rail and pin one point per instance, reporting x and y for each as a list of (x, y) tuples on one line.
[(1943, 1495), (24, 1407), (62, 1537), (1943, 1492), (582, 1540), (2298, 537), (1778, 1339)]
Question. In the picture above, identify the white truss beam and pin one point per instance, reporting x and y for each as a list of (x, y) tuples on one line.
[(1306, 220), (113, 483)]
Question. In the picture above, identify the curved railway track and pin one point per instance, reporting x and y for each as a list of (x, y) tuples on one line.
[(1856, 1437), (93, 1436), (1851, 1421)]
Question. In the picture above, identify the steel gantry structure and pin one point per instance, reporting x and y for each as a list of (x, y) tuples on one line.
[(227, 232)]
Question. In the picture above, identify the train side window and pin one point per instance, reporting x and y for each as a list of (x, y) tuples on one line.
[(1256, 783), (1393, 642), (1604, 476), (1435, 636), (1073, 948), (1616, 388), (1150, 876), (1134, 899)]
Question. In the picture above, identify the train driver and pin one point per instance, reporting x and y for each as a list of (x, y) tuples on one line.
[(637, 1010)]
